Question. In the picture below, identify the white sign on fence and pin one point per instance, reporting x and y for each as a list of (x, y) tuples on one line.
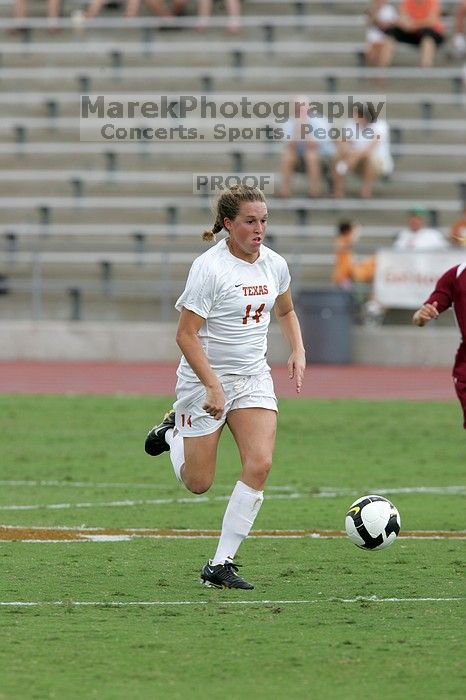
[(404, 280)]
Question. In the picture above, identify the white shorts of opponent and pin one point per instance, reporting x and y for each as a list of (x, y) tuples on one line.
[(252, 391)]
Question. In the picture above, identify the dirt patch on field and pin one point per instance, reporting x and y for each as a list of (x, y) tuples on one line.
[(46, 534)]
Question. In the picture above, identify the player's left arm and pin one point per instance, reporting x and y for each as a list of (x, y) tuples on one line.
[(289, 325)]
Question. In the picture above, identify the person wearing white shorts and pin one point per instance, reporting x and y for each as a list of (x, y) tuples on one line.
[(223, 375), (250, 391)]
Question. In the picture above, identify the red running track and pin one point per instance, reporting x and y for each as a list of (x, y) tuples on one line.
[(150, 378)]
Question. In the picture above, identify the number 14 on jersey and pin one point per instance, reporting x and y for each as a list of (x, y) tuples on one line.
[(256, 316)]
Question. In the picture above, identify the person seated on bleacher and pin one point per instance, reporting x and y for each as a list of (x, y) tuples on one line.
[(53, 12), (158, 7), (302, 148), (420, 24), (366, 150), (380, 16), (417, 236), (459, 29), (458, 231), (347, 270), (233, 8)]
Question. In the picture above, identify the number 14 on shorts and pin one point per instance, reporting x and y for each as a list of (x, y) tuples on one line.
[(185, 420)]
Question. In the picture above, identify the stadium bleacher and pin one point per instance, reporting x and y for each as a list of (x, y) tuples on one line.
[(117, 223)]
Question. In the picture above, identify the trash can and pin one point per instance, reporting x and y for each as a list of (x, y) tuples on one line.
[(326, 320)]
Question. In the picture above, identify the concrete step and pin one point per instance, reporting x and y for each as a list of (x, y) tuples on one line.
[(210, 80), (423, 104), (61, 306), (146, 217), (240, 54), (67, 187)]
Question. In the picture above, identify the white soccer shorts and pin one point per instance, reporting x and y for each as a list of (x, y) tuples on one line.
[(252, 391)]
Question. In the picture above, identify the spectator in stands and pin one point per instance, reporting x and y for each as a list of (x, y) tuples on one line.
[(346, 269), (458, 231), (417, 236), (459, 29), (233, 9), (420, 24), (158, 7), (307, 144), (364, 149), (356, 275), (380, 16), (53, 11), (450, 290)]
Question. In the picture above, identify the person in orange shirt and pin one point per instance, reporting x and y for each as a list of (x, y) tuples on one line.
[(419, 24), (458, 231), (346, 269)]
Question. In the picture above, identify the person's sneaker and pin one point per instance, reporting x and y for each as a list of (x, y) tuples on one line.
[(155, 441), (223, 576)]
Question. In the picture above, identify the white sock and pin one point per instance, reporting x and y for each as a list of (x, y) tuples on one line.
[(176, 451), (242, 508)]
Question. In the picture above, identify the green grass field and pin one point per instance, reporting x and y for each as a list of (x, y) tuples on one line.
[(79, 461)]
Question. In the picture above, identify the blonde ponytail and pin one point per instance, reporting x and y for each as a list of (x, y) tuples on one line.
[(211, 235)]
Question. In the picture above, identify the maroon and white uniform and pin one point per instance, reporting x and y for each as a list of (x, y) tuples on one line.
[(451, 291)]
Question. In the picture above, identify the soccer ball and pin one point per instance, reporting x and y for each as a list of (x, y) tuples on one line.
[(372, 522)]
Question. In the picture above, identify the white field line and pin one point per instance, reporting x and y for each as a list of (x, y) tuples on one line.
[(125, 538), (129, 503), (102, 484), (121, 604), (321, 492), (112, 504), (108, 484)]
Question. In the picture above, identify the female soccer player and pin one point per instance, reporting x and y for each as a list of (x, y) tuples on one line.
[(450, 290), (223, 375)]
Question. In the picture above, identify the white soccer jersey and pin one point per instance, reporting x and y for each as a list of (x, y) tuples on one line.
[(235, 298)]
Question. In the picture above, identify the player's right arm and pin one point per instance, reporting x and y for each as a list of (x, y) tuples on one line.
[(191, 347), (426, 313), (440, 299)]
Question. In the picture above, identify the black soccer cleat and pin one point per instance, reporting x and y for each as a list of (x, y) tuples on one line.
[(223, 576), (155, 441)]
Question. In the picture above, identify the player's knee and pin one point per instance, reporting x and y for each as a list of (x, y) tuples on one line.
[(265, 468), (259, 471), (197, 485)]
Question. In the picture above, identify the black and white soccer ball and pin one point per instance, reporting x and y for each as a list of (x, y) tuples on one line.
[(372, 522)]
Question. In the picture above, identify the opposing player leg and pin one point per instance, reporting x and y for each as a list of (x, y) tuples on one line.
[(460, 388)]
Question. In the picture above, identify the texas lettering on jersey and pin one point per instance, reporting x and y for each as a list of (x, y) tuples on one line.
[(255, 290), (235, 298)]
